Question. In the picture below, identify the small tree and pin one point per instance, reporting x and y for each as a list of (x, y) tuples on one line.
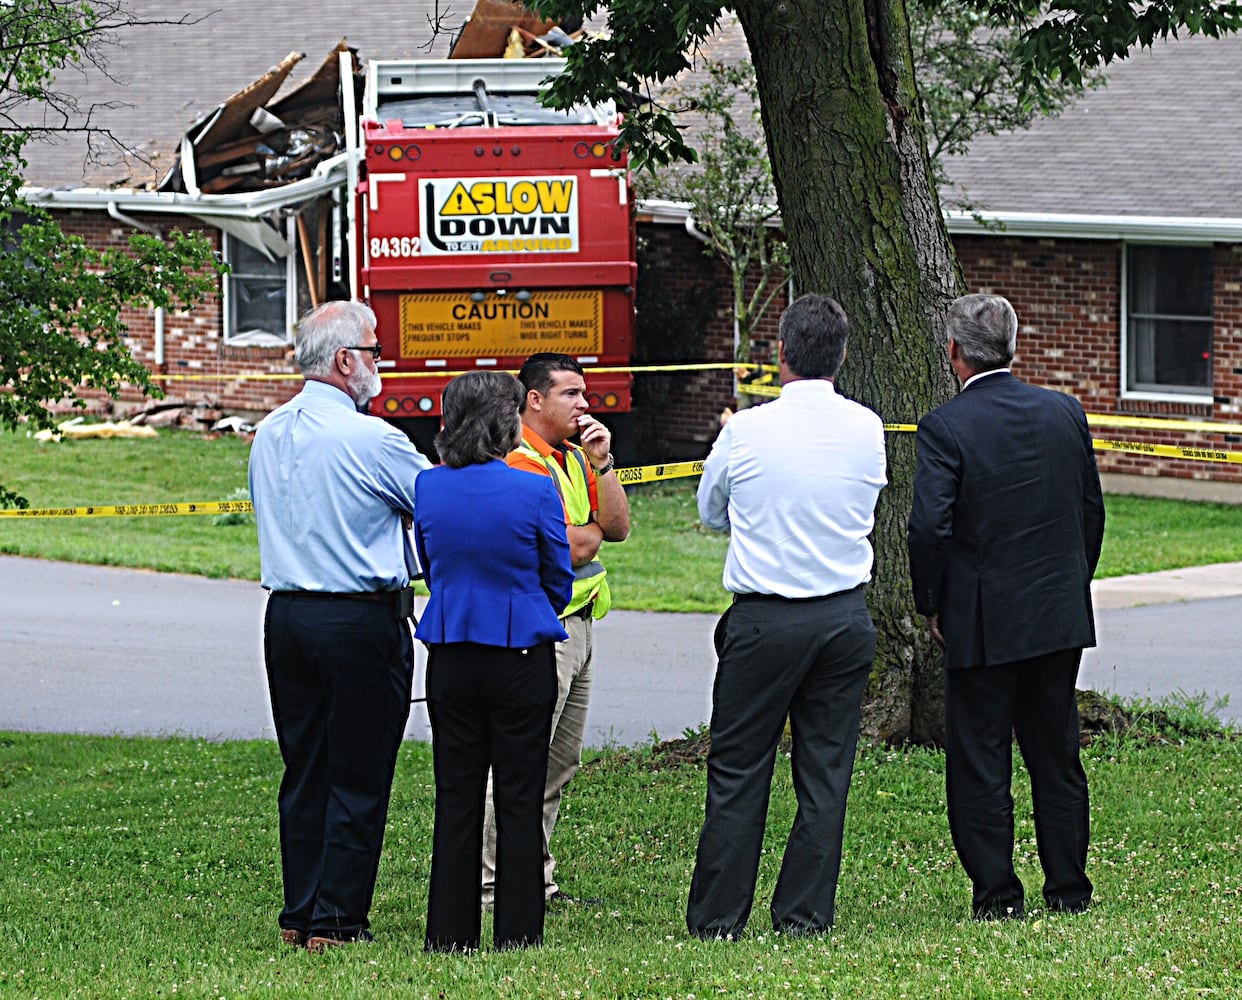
[(61, 302), (732, 198)]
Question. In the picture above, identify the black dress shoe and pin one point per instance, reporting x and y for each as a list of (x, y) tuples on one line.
[(1000, 911), (564, 897), (1061, 906)]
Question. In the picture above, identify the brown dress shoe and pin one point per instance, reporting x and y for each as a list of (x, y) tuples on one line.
[(294, 939), (319, 943)]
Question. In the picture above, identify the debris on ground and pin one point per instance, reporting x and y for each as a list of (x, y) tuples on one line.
[(77, 429)]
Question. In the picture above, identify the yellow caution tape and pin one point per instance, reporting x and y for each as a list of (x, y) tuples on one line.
[(631, 476), (1170, 451), (628, 477), (651, 473), (137, 509), (1163, 423)]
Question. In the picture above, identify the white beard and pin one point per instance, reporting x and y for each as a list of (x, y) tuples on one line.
[(364, 385)]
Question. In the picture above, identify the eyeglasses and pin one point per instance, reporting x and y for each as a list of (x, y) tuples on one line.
[(373, 349)]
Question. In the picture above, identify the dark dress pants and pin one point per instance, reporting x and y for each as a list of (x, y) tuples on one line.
[(1037, 701), (339, 672), (808, 660), (490, 707)]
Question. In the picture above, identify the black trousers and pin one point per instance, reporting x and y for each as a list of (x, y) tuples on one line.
[(489, 707), (1037, 701), (339, 672), (808, 660)]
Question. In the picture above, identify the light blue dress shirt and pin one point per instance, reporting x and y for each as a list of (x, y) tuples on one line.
[(796, 481), (329, 486)]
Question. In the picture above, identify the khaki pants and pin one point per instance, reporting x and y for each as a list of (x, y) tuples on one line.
[(573, 695)]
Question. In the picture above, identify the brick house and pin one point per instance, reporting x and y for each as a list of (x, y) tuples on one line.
[(168, 83), (1115, 229)]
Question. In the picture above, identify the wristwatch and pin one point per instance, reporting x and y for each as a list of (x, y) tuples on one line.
[(606, 468)]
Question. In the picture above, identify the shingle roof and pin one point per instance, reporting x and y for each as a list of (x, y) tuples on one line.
[(169, 76), (1162, 138)]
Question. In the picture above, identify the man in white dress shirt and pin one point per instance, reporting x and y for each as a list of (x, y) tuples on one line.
[(795, 482)]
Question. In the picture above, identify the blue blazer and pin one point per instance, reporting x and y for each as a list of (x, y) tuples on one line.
[(495, 556)]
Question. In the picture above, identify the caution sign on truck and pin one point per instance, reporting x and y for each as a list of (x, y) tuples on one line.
[(500, 215), (457, 326)]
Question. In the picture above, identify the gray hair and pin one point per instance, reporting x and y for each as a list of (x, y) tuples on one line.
[(325, 330), (814, 329), (481, 419), (985, 329)]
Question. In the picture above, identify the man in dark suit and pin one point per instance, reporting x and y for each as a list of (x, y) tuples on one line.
[(1004, 537)]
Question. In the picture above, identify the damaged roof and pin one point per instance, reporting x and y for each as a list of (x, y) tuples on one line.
[(163, 78), (1160, 140)]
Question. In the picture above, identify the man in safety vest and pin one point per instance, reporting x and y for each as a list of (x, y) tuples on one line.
[(596, 511)]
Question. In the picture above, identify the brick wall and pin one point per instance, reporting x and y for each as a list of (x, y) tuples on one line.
[(202, 366), (1066, 293), (678, 414)]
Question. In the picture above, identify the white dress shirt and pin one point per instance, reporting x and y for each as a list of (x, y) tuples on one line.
[(795, 481), (978, 375)]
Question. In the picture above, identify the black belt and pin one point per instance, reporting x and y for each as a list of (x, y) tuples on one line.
[(400, 601), (584, 612), (744, 598), (376, 596)]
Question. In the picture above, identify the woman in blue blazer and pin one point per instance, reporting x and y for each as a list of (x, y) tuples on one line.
[(493, 548)]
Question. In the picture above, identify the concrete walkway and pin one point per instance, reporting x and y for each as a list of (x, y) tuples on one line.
[(94, 649), (1172, 586)]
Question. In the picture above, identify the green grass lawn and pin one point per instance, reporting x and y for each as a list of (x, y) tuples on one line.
[(669, 563), (149, 868)]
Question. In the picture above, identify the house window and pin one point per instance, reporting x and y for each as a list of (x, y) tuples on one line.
[(1168, 324), (258, 294)]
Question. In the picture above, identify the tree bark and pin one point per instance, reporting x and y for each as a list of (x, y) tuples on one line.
[(845, 136)]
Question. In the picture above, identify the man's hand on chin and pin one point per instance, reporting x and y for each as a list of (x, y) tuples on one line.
[(596, 439)]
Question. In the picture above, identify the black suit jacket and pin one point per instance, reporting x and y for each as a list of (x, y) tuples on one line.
[(1007, 522)]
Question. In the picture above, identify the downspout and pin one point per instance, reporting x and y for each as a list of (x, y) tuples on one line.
[(133, 223), (354, 153)]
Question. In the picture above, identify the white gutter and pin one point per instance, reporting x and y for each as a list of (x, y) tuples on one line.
[(1159, 228), (328, 175)]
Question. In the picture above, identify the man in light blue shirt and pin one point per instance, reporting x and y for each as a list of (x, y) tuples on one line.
[(795, 482), (333, 492)]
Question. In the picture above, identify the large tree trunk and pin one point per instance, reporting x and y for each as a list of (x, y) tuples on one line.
[(845, 136)]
